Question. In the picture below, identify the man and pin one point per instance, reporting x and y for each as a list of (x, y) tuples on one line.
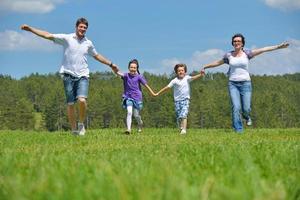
[(74, 68)]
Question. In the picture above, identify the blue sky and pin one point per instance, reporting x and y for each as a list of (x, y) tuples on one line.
[(159, 33)]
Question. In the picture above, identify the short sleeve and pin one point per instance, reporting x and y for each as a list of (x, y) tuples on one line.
[(92, 51), (171, 84), (143, 80), (124, 76), (226, 58), (189, 78), (59, 38), (249, 53)]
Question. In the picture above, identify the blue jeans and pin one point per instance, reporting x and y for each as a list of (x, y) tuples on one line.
[(75, 87), (240, 94), (131, 102)]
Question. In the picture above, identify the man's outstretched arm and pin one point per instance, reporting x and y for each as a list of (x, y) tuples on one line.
[(107, 62), (41, 33)]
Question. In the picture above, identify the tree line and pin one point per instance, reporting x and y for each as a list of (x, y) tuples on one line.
[(37, 102)]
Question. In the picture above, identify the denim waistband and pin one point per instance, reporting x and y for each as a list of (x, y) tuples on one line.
[(73, 77), (240, 81)]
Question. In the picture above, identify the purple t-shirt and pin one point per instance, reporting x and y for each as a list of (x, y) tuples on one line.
[(132, 86)]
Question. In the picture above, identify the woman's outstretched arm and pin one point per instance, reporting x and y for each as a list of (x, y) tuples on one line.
[(256, 52), (213, 64)]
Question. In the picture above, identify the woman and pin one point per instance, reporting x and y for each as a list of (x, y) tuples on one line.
[(239, 85)]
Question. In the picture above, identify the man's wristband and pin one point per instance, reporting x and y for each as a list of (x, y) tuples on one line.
[(111, 64)]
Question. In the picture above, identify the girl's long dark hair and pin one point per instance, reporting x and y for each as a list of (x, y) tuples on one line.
[(135, 61)]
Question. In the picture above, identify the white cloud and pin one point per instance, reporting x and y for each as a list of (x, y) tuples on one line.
[(15, 41), (271, 63), (283, 4), (29, 6), (195, 62), (167, 66)]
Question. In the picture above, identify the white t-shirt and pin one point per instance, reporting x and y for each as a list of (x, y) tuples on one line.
[(181, 88), (238, 66), (75, 54)]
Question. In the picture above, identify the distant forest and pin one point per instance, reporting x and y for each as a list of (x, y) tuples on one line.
[(37, 102)]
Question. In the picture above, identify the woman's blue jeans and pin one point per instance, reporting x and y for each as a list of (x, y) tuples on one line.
[(240, 94)]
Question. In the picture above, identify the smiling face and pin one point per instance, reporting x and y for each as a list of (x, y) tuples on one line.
[(237, 43), (180, 72), (81, 30), (132, 68)]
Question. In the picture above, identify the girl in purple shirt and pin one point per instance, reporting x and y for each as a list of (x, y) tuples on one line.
[(132, 96)]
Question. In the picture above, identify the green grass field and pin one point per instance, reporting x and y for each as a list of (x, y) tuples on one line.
[(157, 164)]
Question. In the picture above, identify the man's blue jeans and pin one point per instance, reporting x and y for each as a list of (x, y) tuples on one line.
[(75, 87), (240, 94)]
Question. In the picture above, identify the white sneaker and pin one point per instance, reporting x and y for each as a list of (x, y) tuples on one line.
[(182, 132), (81, 129), (249, 122)]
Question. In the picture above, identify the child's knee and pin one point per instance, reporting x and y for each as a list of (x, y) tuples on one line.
[(129, 112), (136, 115), (82, 100)]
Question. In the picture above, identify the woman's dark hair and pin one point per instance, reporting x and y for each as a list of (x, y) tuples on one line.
[(135, 61), (238, 35), (82, 21), (180, 65)]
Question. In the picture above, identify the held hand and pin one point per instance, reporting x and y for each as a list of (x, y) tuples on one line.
[(25, 27), (202, 72), (283, 45), (115, 68)]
